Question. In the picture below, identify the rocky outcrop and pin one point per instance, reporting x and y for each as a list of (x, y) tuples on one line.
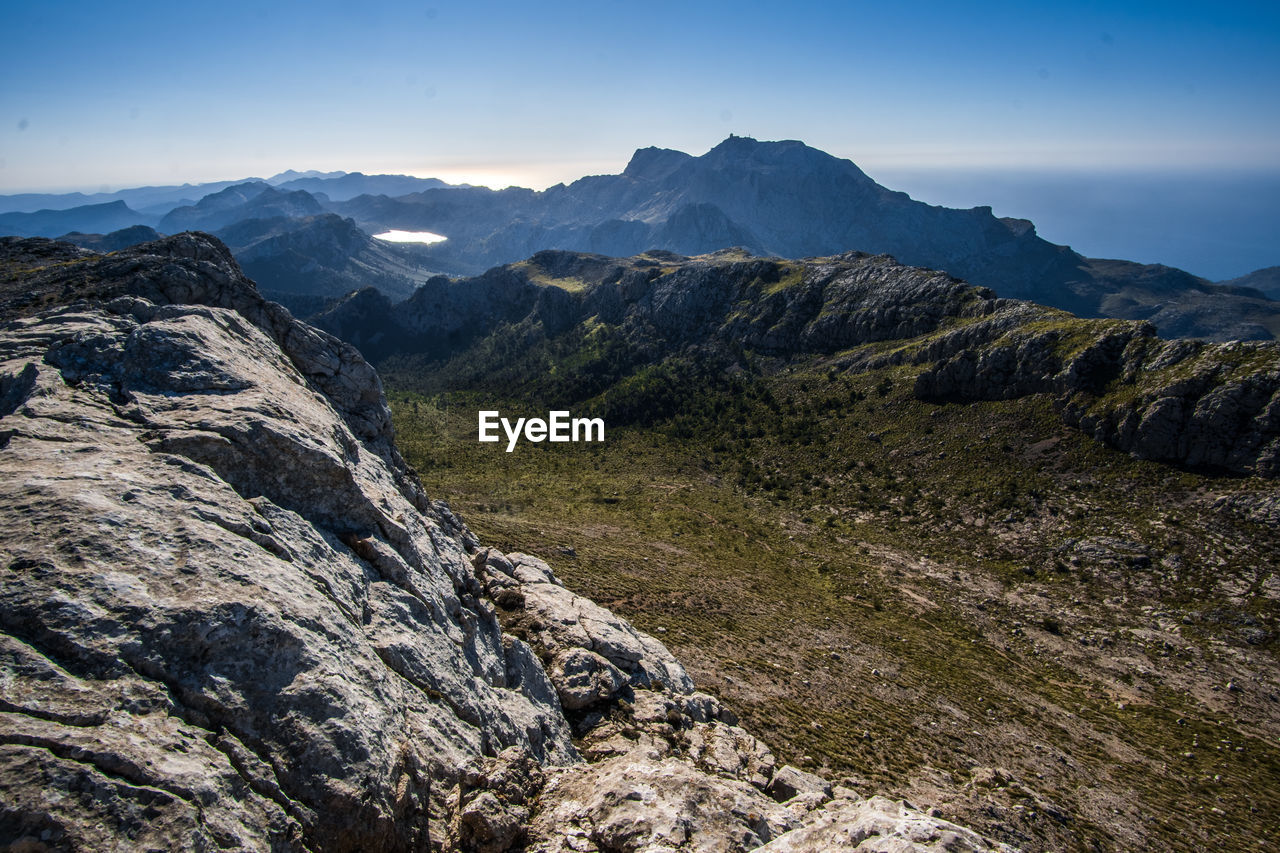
[(230, 618), (1201, 405), (668, 767), (1210, 406), (229, 603)]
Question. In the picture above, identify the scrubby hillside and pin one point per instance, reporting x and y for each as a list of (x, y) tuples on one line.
[(973, 551)]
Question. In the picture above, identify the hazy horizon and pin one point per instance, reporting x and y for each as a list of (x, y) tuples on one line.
[(1218, 224), (496, 92)]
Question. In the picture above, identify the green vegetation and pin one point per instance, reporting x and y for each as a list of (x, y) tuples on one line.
[(902, 594), (537, 276), (887, 589)]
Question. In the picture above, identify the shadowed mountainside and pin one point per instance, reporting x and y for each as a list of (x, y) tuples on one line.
[(789, 200)]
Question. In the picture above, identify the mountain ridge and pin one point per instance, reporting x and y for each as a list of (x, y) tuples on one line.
[(782, 199), (655, 305), (789, 200)]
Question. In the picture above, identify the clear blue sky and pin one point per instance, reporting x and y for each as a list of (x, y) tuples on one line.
[(957, 103), (95, 93)]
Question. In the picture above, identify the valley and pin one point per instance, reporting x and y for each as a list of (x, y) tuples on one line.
[(977, 609), (965, 602)]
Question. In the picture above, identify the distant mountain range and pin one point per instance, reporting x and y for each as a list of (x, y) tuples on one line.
[(1266, 280), (780, 199), (159, 200), (88, 218), (238, 204), (304, 262)]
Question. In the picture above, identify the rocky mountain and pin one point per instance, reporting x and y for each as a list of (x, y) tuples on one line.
[(789, 200), (89, 218), (1266, 280), (781, 199), (1204, 405), (232, 619), (238, 204), (116, 240), (968, 550), (299, 261)]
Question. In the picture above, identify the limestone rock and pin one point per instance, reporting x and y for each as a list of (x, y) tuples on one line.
[(631, 803), (492, 802), (791, 782), (557, 621), (879, 825), (233, 619), (583, 678), (730, 751)]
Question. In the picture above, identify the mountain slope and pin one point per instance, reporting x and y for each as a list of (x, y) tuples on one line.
[(299, 260), (232, 619), (649, 307), (239, 203), (89, 218), (969, 550), (790, 200), (1266, 280)]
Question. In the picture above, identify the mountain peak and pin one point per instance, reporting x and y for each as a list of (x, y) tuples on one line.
[(790, 154), (654, 163), (746, 145), (293, 175)]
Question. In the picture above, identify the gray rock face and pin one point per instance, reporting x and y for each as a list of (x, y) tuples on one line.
[(224, 601), (876, 824), (1203, 405), (790, 782), (230, 619)]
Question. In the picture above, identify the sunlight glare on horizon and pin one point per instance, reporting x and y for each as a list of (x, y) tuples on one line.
[(532, 175)]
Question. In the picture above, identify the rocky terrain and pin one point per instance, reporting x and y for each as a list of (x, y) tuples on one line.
[(966, 550), (1209, 406), (232, 619)]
